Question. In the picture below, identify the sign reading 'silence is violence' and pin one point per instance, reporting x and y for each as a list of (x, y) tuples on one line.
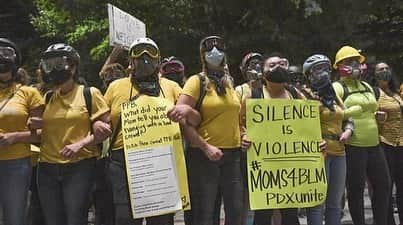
[(285, 163)]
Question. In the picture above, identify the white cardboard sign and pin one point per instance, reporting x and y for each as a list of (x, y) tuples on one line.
[(123, 27)]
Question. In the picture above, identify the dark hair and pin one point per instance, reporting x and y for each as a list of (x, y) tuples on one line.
[(272, 54), (393, 83)]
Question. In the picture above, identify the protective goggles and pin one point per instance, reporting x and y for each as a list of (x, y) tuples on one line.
[(319, 68), (172, 67), (55, 63), (7, 53), (212, 42), (141, 49)]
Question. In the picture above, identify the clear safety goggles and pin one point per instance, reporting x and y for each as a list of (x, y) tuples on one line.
[(7, 53), (319, 68), (141, 49), (55, 63), (212, 42)]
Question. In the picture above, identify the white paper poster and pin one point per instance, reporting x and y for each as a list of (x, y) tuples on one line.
[(123, 27), (154, 188)]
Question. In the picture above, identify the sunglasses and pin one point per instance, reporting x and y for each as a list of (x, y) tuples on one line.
[(212, 42), (7, 53), (141, 49), (55, 63)]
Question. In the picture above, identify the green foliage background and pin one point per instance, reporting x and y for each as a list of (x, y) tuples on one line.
[(296, 28)]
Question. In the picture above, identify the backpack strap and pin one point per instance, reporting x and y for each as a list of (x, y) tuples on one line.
[(48, 96), (257, 93), (346, 92), (203, 91), (88, 99)]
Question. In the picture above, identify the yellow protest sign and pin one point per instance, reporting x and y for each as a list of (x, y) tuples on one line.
[(155, 160), (285, 164)]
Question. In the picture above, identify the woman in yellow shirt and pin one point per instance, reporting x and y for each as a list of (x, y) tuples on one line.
[(213, 159), (144, 56), (275, 78), (336, 127), (17, 104), (391, 130), (66, 170)]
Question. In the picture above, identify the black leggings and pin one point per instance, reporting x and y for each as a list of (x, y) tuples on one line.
[(368, 162), (394, 156), (288, 217)]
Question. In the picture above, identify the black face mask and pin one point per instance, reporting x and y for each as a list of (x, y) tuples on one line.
[(278, 75), (57, 77), (147, 85), (325, 91), (146, 66), (177, 77), (6, 66), (384, 75)]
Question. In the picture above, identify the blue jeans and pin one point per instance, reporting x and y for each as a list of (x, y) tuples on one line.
[(64, 191), (207, 178), (336, 182), (15, 178)]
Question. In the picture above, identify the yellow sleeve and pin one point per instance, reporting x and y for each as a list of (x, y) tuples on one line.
[(99, 106), (109, 94), (178, 91), (338, 88), (34, 99), (192, 87)]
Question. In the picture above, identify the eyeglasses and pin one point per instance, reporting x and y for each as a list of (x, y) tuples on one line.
[(55, 63), (141, 49), (212, 42), (7, 53)]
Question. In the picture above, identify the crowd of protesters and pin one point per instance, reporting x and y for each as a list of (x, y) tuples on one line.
[(52, 133)]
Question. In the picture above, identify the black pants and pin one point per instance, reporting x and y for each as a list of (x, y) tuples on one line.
[(368, 162), (209, 179), (103, 197), (288, 217), (117, 176), (394, 156), (36, 214)]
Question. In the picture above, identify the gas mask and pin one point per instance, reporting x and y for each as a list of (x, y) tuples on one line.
[(56, 70), (254, 71), (145, 75), (321, 84), (214, 57), (6, 66), (354, 70), (145, 66)]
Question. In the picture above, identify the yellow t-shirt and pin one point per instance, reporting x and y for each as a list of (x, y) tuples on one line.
[(331, 126), (66, 121), (220, 114), (14, 116), (243, 91), (391, 130), (118, 92)]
